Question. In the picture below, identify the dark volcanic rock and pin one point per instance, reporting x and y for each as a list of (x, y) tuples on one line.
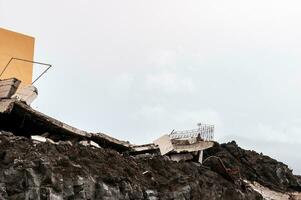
[(31, 170), (256, 167)]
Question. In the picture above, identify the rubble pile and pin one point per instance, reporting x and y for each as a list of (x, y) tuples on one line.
[(44, 158), (254, 167), (43, 170)]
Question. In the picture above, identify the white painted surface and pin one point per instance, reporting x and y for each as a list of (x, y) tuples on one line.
[(84, 143), (94, 144), (38, 138), (27, 94), (164, 144), (201, 156), (8, 87), (200, 145)]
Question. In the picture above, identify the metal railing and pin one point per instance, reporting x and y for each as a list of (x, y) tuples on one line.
[(28, 61), (205, 132)]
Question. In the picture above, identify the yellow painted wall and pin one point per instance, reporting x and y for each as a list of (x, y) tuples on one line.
[(16, 45)]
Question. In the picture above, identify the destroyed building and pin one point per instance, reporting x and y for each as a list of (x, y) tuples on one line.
[(44, 158), (17, 92), (185, 145), (17, 116)]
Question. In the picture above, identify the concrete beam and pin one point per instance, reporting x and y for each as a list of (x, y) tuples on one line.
[(36, 122), (8, 87)]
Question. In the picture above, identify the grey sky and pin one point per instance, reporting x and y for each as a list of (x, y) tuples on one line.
[(137, 69)]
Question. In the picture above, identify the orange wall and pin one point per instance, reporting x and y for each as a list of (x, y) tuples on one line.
[(16, 45)]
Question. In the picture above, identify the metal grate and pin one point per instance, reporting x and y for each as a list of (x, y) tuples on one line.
[(205, 132)]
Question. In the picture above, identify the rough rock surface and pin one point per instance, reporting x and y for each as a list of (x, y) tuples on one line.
[(256, 167), (31, 170)]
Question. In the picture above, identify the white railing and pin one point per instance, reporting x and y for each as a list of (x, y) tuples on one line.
[(205, 132)]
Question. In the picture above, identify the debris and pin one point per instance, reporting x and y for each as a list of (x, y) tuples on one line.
[(94, 144), (145, 148), (146, 172), (8, 87), (14, 112), (26, 94), (38, 138), (11, 89), (184, 145), (218, 166), (251, 166), (143, 156), (269, 194), (58, 167), (84, 143), (65, 143), (89, 143)]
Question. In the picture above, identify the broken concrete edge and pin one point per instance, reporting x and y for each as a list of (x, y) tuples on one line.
[(193, 147), (186, 150), (8, 87), (11, 89), (144, 147), (150, 148), (27, 94), (50, 120), (164, 144), (7, 106)]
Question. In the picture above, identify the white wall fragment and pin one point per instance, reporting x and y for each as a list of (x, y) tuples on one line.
[(38, 138), (27, 94)]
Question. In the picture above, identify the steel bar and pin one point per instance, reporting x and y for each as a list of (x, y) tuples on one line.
[(29, 61)]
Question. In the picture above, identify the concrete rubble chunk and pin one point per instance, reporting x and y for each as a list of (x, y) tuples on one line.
[(164, 143), (11, 89), (184, 145), (8, 87), (38, 138), (41, 139), (146, 172), (37, 122), (26, 94), (89, 143), (84, 143), (94, 144)]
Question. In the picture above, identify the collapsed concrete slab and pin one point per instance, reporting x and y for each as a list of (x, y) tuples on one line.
[(17, 117), (8, 87), (11, 89), (185, 145), (145, 149), (26, 94)]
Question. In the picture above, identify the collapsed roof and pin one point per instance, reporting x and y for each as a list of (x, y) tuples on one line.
[(21, 119), (18, 117)]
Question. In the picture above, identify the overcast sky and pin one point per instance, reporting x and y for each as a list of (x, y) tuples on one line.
[(137, 69)]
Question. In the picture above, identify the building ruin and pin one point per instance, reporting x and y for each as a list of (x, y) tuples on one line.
[(17, 92), (185, 145)]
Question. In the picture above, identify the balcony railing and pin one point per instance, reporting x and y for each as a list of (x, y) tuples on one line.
[(205, 132)]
